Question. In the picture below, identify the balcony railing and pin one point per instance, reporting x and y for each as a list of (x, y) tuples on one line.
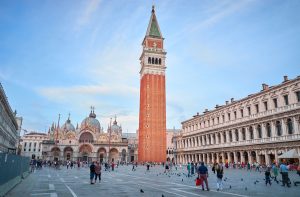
[(285, 138), (246, 118)]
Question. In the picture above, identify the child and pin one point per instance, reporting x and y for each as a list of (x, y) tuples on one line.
[(268, 176)]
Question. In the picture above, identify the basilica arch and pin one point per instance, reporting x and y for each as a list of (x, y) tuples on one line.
[(102, 154), (55, 153), (68, 153), (85, 153), (114, 155)]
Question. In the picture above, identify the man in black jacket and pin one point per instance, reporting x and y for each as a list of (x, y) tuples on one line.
[(92, 172)]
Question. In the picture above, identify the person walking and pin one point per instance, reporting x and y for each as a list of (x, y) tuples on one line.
[(268, 176), (275, 172), (192, 168), (214, 168), (97, 172), (188, 167), (92, 172), (285, 176), (220, 172), (203, 174)]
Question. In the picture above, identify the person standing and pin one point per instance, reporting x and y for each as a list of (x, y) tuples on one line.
[(192, 168), (275, 172), (268, 176), (203, 174), (188, 167), (285, 176), (97, 172), (92, 172), (220, 172)]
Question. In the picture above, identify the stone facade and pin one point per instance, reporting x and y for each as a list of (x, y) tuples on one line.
[(152, 116), (10, 125), (257, 128), (31, 144), (171, 144)]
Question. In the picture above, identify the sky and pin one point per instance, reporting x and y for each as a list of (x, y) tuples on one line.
[(61, 57)]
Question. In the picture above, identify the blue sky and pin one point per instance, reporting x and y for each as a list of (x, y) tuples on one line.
[(64, 56)]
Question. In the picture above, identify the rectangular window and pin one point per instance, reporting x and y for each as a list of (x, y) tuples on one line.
[(249, 111), (228, 116), (25, 143), (242, 113), (266, 105), (34, 144), (223, 118), (286, 99), (235, 115), (275, 103), (218, 120), (256, 107), (298, 96)]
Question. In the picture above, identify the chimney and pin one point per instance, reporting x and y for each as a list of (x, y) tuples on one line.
[(197, 113), (217, 106), (232, 100), (227, 102), (285, 78), (265, 86)]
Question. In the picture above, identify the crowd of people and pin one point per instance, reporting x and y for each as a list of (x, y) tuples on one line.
[(270, 172)]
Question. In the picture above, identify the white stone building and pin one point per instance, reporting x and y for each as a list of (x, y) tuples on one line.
[(258, 128), (31, 144)]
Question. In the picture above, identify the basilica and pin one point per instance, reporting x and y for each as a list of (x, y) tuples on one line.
[(87, 142)]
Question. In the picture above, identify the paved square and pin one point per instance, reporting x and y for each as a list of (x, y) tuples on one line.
[(124, 182)]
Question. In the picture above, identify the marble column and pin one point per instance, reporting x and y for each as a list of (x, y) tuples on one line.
[(218, 158), (274, 132), (276, 156), (235, 157), (283, 127), (267, 157), (257, 157), (222, 138), (242, 156), (295, 125), (229, 157), (223, 157)]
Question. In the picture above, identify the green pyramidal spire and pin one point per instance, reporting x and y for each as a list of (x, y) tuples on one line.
[(153, 28)]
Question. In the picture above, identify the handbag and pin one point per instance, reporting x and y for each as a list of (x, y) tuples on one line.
[(198, 181)]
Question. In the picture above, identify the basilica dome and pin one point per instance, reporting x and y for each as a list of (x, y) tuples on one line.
[(91, 122), (115, 128), (68, 126)]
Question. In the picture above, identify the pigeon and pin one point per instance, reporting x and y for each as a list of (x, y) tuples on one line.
[(242, 179), (229, 186), (142, 191), (182, 180), (246, 188)]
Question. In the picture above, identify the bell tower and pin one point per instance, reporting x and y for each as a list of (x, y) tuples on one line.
[(152, 116)]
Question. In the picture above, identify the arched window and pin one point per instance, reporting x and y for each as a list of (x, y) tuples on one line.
[(290, 126), (278, 128), (156, 61), (149, 60), (152, 60), (237, 135), (251, 132), (259, 131), (159, 61), (269, 131), (243, 133)]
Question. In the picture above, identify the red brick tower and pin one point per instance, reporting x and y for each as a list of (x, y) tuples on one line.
[(152, 117)]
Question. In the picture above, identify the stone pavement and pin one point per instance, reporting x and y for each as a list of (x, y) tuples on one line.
[(124, 182)]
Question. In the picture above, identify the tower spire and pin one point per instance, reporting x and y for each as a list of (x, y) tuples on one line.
[(153, 29)]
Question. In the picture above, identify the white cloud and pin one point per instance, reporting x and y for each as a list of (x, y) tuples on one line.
[(87, 14)]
